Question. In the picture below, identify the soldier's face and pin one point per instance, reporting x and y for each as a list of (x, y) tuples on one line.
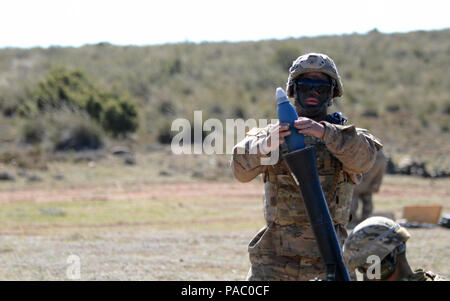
[(312, 91)]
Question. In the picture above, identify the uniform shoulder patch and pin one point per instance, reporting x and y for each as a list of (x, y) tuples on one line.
[(254, 132)]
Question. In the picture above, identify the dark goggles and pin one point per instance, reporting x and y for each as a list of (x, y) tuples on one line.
[(321, 87)]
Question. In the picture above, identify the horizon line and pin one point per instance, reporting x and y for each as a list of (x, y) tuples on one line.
[(373, 30)]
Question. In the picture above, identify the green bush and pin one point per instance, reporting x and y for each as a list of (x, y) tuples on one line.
[(120, 117), (64, 88), (71, 89)]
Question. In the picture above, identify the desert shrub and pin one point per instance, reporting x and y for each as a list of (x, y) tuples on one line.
[(393, 107), (63, 87), (76, 132), (7, 107), (33, 132), (239, 112), (78, 138), (165, 134), (72, 89), (26, 109), (166, 108), (94, 108), (120, 117)]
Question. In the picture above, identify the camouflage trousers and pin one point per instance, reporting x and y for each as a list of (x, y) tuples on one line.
[(284, 268), (367, 207)]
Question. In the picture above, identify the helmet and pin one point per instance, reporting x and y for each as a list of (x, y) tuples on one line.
[(374, 236), (314, 62)]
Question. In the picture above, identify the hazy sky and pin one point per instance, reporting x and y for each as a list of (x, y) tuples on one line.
[(78, 22)]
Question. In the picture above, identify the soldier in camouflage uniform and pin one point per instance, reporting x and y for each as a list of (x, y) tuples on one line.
[(371, 182), (385, 239), (286, 249)]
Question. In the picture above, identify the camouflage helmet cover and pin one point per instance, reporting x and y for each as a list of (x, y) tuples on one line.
[(314, 62), (374, 236)]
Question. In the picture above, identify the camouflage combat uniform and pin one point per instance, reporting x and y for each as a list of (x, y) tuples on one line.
[(285, 249), (421, 275), (381, 237), (371, 182)]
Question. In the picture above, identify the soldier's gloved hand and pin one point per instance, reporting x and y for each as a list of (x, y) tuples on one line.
[(309, 127), (276, 136)]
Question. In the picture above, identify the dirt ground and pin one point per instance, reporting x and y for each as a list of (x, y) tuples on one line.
[(190, 190), (175, 231)]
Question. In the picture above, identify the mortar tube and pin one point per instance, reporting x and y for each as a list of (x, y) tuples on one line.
[(302, 164)]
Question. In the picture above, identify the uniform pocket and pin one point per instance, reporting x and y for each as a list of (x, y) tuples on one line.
[(262, 243)]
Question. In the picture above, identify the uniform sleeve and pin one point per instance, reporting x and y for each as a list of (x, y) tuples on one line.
[(356, 148), (246, 160)]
